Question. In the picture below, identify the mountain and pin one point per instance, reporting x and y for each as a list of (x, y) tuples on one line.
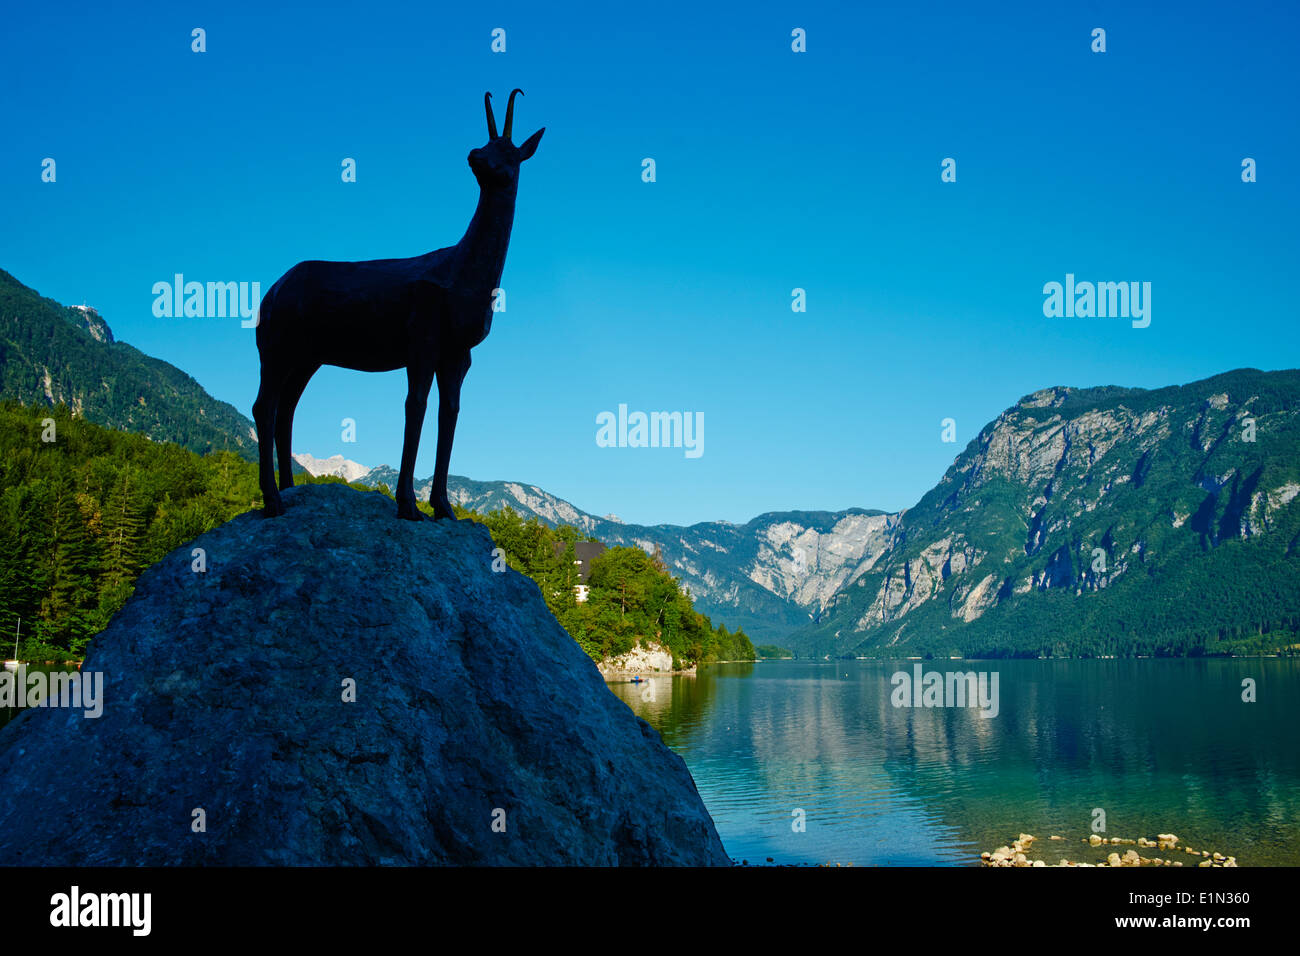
[(342, 688), (51, 353), (335, 465), (1096, 521), (485, 496), (1081, 521), (768, 576)]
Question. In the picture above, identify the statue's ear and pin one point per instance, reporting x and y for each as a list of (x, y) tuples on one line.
[(530, 144)]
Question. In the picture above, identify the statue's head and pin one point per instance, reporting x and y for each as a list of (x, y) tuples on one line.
[(497, 163)]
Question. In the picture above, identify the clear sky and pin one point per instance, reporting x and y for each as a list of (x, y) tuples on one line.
[(775, 170)]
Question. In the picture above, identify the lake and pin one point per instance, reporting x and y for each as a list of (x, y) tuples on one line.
[(1161, 746)]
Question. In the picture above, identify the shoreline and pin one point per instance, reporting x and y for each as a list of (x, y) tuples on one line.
[(1017, 853)]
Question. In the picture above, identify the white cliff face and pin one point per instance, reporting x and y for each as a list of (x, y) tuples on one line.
[(650, 659), (808, 566), (529, 499), (335, 465), (918, 580), (1028, 451)]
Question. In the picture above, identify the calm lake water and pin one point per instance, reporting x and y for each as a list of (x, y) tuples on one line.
[(1162, 746)]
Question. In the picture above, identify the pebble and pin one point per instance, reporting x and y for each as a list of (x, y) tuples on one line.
[(1017, 853)]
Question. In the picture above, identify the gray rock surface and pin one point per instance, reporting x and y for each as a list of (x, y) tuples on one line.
[(224, 691)]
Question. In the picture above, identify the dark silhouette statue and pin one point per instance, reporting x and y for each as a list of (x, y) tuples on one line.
[(422, 314)]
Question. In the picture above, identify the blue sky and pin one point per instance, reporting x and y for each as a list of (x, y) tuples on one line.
[(775, 170)]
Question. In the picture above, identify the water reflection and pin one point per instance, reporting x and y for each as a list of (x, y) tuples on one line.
[(1158, 745)]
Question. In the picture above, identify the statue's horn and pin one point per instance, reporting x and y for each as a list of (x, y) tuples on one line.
[(492, 120), (510, 111)]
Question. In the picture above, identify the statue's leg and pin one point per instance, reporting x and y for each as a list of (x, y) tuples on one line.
[(418, 381), (451, 375), (293, 388), (264, 407)]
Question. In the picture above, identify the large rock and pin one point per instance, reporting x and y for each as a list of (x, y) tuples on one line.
[(224, 692)]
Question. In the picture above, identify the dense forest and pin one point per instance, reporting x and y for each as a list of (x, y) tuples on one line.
[(84, 510)]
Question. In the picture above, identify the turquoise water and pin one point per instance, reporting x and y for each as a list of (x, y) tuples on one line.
[(1159, 745)]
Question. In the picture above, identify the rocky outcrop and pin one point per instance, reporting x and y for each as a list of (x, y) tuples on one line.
[(341, 687), (93, 323), (651, 659)]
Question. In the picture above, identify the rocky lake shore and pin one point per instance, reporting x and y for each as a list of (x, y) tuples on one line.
[(1018, 853)]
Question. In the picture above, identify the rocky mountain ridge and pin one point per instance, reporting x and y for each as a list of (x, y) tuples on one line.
[(768, 576), (1096, 511), (1065, 492)]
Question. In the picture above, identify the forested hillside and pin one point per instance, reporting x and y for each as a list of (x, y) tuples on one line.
[(51, 353), (83, 514)]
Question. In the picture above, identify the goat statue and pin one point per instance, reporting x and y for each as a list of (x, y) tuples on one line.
[(422, 314)]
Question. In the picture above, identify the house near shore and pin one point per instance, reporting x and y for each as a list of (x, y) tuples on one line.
[(584, 553)]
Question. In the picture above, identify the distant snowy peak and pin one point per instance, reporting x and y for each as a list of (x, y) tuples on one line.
[(335, 465)]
